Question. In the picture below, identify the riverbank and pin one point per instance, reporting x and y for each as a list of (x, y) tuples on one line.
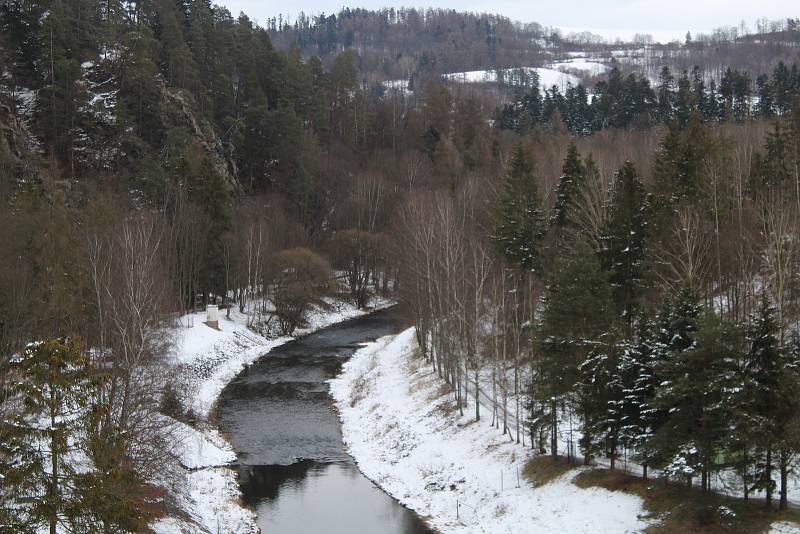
[(400, 426), (206, 496)]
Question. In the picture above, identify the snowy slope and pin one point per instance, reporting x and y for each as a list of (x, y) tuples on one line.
[(399, 428)]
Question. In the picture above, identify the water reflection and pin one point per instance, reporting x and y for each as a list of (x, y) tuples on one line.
[(295, 471), (331, 498)]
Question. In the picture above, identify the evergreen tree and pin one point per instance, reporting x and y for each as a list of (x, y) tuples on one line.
[(53, 388), (568, 186), (765, 106), (520, 229), (601, 393), (786, 416), (685, 104), (773, 167), (678, 166), (576, 312), (638, 370), (623, 241), (666, 95), (673, 334), (692, 439), (764, 370)]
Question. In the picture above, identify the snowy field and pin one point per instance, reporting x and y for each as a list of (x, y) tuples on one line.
[(207, 359), (461, 476), (581, 64), (548, 77)]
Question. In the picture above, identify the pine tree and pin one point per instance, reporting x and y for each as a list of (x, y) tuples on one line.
[(666, 93), (601, 393), (786, 417), (577, 311), (638, 370), (623, 241), (764, 369), (568, 186), (673, 334), (691, 441), (519, 232), (53, 387)]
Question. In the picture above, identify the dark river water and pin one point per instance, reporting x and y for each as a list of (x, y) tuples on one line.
[(294, 470)]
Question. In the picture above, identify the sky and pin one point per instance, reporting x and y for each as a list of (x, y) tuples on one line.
[(663, 19)]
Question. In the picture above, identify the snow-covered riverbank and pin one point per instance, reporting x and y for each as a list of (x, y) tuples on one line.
[(399, 425), (207, 499)]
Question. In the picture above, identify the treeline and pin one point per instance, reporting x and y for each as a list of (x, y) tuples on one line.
[(394, 43), (653, 309), (631, 101)]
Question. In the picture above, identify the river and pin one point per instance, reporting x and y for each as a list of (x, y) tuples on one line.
[(293, 467)]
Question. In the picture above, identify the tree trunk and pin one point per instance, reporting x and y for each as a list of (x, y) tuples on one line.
[(477, 396), (554, 430), (744, 475), (784, 470), (54, 468), (768, 467)]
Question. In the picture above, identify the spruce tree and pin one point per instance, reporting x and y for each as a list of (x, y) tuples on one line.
[(666, 104), (520, 229), (577, 311), (53, 388), (764, 370), (787, 421), (673, 334), (623, 241), (601, 395), (693, 393), (638, 371), (568, 187)]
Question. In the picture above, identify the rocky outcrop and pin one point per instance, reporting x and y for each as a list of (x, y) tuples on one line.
[(203, 132)]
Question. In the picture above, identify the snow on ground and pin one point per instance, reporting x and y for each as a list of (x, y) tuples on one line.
[(212, 357), (784, 528), (207, 359), (400, 427), (548, 77), (593, 68)]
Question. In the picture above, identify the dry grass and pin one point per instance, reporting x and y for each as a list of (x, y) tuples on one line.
[(683, 510), (359, 390), (544, 469)]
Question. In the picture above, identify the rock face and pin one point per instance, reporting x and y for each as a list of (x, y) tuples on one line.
[(203, 132), (95, 141), (14, 147)]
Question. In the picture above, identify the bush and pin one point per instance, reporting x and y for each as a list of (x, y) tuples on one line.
[(301, 279), (357, 253), (170, 404)]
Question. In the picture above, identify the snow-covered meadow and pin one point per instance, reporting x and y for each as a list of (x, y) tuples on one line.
[(548, 77)]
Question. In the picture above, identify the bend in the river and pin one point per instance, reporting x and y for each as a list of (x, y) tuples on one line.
[(294, 470)]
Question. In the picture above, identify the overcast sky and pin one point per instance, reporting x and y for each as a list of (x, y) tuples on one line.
[(664, 19)]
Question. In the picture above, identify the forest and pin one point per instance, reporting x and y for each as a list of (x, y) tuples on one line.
[(620, 253)]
